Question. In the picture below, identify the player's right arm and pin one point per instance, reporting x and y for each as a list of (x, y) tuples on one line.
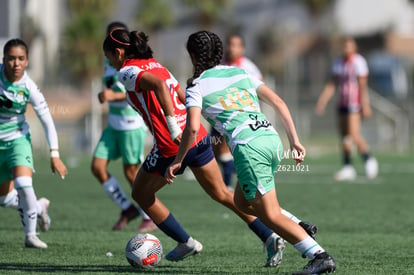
[(324, 98), (109, 95)]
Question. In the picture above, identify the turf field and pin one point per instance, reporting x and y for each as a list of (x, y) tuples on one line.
[(368, 226)]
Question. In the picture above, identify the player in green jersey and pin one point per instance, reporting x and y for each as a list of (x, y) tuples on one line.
[(17, 90), (228, 98)]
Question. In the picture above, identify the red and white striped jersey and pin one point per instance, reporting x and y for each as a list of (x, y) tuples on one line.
[(346, 72), (247, 65), (147, 105)]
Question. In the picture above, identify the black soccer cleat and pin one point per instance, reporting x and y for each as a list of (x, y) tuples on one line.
[(310, 228), (322, 263)]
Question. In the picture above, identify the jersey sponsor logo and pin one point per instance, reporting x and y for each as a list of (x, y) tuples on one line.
[(258, 123), (128, 74), (236, 99)]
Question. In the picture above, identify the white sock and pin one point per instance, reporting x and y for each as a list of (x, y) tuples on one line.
[(290, 216), (39, 207), (115, 192), (309, 247), (27, 203), (143, 214), (10, 200)]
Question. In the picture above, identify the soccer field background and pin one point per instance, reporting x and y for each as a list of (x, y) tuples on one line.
[(368, 226)]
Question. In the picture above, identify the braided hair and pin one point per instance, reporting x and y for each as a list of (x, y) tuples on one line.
[(134, 43), (207, 50)]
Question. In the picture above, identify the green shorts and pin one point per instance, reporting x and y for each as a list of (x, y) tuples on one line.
[(256, 163), (17, 152), (126, 144)]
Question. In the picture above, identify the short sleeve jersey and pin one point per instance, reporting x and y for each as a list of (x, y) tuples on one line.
[(147, 105), (346, 73), (14, 98), (228, 100), (121, 116)]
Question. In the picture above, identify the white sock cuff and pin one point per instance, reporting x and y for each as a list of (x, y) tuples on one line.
[(112, 181), (225, 157), (23, 182), (9, 200), (309, 247), (290, 216)]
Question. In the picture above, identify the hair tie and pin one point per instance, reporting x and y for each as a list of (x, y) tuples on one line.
[(117, 41)]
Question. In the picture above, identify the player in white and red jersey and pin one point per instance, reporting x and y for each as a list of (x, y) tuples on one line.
[(124, 137), (145, 102), (234, 56), (156, 95), (349, 75)]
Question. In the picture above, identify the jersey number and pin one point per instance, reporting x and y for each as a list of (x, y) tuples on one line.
[(171, 83)]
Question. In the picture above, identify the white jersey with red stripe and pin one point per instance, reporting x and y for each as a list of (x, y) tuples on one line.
[(146, 104), (346, 72), (247, 65)]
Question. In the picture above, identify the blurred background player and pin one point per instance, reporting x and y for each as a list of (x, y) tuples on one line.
[(233, 56), (349, 75), (123, 137), (17, 89)]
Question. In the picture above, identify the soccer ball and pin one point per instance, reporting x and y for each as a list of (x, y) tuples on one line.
[(144, 251)]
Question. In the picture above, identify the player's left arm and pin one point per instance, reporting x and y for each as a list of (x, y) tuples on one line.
[(43, 113), (149, 81), (268, 96), (188, 138), (181, 95), (364, 93)]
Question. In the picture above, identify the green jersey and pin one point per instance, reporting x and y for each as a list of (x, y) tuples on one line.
[(121, 116), (14, 98), (228, 100)]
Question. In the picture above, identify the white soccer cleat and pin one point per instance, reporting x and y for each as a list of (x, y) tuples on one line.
[(33, 241), (371, 168), (183, 250), (43, 218), (347, 172), (274, 246)]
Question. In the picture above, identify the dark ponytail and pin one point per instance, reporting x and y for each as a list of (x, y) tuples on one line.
[(207, 49), (139, 46), (134, 43)]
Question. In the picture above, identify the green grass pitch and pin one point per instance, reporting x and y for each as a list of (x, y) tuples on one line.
[(368, 226)]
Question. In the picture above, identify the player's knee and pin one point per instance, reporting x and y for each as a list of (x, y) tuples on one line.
[(98, 171), (130, 175), (9, 199), (222, 195), (239, 204), (141, 198), (347, 141)]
